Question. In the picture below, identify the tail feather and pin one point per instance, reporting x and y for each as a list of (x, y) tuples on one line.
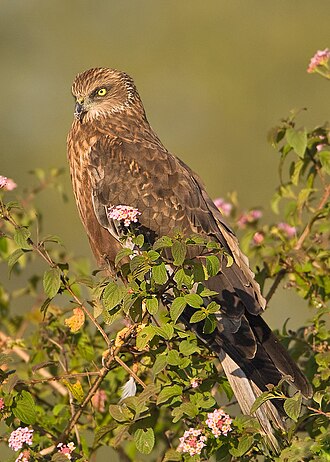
[(246, 393)]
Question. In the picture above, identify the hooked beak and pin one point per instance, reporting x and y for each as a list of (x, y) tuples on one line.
[(79, 109)]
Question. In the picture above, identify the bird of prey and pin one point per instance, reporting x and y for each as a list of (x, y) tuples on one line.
[(117, 159)]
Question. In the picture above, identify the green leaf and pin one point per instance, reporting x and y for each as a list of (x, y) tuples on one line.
[(144, 439), (144, 337), (125, 252), (59, 457), (292, 406), (139, 266), (187, 347), (177, 307), (212, 265), (75, 389), (152, 305), (207, 292), (193, 300), (153, 255), (324, 157), (265, 396), (138, 240), (166, 331), (120, 413), (162, 242), (213, 307), (297, 140), (179, 251), (172, 455), (21, 236), (229, 259), (159, 274), (209, 325), (159, 364), (169, 392), (52, 281), (14, 257), (112, 295), (52, 238), (183, 279), (244, 445), (25, 409), (296, 171), (198, 316), (100, 432), (173, 358)]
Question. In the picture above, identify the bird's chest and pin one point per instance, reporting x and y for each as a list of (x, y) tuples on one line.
[(79, 162)]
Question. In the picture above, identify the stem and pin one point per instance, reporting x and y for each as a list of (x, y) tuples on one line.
[(309, 225), (280, 275), (95, 386)]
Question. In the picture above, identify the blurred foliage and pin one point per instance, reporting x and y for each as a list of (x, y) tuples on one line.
[(155, 379)]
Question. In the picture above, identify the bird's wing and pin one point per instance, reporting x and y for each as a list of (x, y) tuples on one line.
[(171, 197)]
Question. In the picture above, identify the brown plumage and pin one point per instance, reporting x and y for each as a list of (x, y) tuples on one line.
[(117, 159)]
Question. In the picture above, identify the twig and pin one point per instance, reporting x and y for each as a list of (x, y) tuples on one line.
[(280, 275), (26, 358), (129, 370), (318, 411), (58, 378), (309, 225), (95, 386)]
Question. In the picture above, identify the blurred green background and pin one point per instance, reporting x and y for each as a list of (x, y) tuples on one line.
[(214, 76)]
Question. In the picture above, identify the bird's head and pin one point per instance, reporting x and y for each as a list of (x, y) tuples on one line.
[(102, 91)]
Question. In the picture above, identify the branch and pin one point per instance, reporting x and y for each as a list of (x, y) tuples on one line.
[(26, 358), (95, 386), (309, 225), (280, 275)]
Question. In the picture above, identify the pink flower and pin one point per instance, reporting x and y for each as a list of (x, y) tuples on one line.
[(7, 184), (192, 442), (195, 382), (66, 449), (2, 404), (258, 238), (24, 456), (320, 58), (219, 422), (249, 217), (290, 231), (123, 213), (19, 437), (99, 400), (224, 207)]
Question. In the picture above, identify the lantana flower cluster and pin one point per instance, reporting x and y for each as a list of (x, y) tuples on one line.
[(249, 217), (123, 213), (24, 456), (192, 442), (287, 229), (7, 184), (66, 449), (194, 439), (224, 206), (219, 422), (320, 59), (19, 437)]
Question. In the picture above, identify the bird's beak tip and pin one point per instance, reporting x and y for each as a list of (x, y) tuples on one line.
[(78, 111)]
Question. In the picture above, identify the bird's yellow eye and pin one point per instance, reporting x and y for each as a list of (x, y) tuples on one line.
[(102, 92)]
